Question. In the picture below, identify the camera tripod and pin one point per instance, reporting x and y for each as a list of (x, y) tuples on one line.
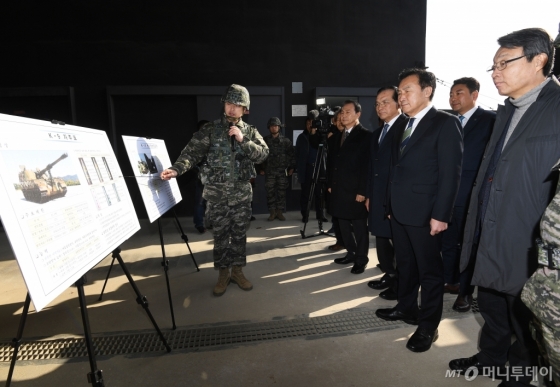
[(318, 176)]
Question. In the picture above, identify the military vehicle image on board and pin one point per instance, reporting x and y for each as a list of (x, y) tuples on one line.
[(40, 186)]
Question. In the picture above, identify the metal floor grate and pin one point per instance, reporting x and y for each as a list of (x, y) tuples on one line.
[(196, 338)]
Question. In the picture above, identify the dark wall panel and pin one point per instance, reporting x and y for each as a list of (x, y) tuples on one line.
[(92, 45)]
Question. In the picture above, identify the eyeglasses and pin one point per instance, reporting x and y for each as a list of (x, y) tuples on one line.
[(501, 65)]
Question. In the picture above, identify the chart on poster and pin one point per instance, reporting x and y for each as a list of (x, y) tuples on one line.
[(65, 205), (148, 157)]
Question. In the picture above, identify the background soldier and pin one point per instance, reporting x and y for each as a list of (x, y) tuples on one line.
[(231, 147), (278, 166)]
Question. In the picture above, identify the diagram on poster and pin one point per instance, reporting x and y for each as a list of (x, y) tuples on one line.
[(65, 205), (148, 158)]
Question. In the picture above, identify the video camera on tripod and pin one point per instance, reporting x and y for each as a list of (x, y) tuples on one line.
[(324, 117), (322, 121)]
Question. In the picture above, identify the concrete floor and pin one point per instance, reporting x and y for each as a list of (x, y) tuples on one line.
[(292, 278)]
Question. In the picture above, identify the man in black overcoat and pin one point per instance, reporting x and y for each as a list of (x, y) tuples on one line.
[(347, 181)]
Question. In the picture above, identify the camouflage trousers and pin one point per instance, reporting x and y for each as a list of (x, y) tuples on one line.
[(541, 294), (230, 232), (276, 185)]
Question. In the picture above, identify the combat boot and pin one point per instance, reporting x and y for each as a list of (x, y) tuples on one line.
[(279, 214), (238, 278), (223, 282), (272, 215)]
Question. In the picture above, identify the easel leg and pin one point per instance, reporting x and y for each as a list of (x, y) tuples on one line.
[(16, 341), (165, 264), (106, 279), (95, 377), (142, 300), (186, 239)]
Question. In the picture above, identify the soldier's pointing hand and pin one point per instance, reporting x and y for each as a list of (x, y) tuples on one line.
[(168, 174)]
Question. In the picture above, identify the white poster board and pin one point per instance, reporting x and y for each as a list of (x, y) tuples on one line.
[(148, 158), (63, 202)]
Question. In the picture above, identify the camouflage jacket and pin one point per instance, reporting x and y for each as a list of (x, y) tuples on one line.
[(550, 230), (226, 175), (281, 156)]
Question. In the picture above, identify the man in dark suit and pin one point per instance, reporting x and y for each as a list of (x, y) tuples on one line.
[(426, 159), (387, 108), (477, 127), (347, 180)]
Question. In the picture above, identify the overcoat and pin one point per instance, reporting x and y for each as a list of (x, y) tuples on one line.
[(347, 173), (522, 187)]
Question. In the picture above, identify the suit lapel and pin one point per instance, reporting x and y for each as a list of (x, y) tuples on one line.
[(375, 138), (352, 134), (424, 125), (471, 123), (388, 140)]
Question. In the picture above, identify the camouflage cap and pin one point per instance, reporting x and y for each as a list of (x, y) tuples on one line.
[(237, 95), (274, 121)]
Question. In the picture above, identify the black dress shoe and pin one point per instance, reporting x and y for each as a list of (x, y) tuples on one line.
[(463, 303), (422, 340), (465, 363), (388, 294), (345, 260), (392, 314), (383, 283), (358, 268)]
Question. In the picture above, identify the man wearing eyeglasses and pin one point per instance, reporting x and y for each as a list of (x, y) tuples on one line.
[(512, 189)]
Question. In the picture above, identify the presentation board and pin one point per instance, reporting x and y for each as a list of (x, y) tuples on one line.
[(64, 203), (148, 158)]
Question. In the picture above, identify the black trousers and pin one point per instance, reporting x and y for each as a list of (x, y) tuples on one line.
[(451, 243), (419, 264), (465, 287), (505, 315), (356, 238), (337, 233), (386, 255)]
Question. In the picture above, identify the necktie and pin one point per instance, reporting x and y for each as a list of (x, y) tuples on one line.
[(383, 133), (406, 134), (462, 118), (344, 135)]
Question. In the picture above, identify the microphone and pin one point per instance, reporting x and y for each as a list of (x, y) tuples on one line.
[(232, 138)]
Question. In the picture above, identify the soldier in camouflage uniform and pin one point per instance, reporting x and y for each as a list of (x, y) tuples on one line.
[(541, 292), (231, 147), (277, 167)]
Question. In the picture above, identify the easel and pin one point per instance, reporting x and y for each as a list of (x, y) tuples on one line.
[(95, 377), (164, 263)]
